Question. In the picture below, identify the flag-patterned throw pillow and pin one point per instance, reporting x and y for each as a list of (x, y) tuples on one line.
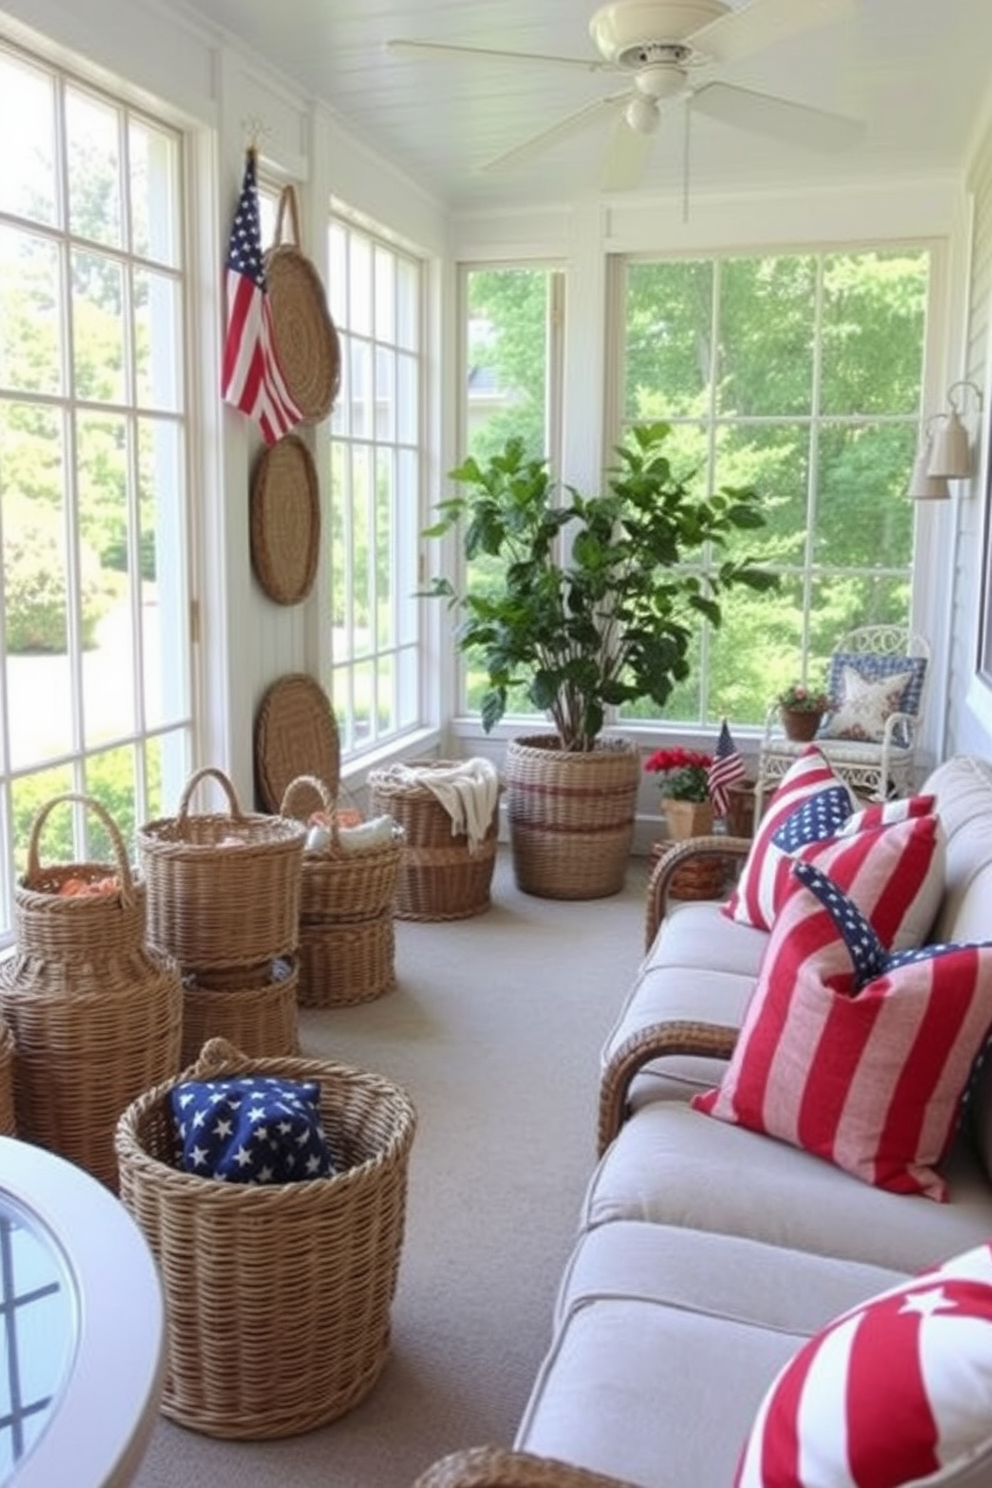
[(889, 857), (251, 1129), (812, 780), (894, 1391), (852, 1052)]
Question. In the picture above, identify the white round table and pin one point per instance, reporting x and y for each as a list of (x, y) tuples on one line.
[(83, 1325)]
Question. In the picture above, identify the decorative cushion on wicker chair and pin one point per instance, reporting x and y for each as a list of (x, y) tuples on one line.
[(251, 1129), (866, 689)]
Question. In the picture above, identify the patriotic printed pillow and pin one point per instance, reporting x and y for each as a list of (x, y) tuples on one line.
[(854, 1053), (251, 1129), (894, 1391), (810, 780), (889, 858)]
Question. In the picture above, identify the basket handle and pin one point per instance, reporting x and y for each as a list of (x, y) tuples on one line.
[(113, 832), (311, 782), (217, 1056), (194, 781), (287, 198)]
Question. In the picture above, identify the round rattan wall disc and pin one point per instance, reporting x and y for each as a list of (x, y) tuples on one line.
[(306, 339), (285, 520), (296, 734)]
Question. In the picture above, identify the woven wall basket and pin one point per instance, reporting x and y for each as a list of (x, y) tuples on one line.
[(306, 340), (571, 816), (285, 521), (224, 887), (95, 1013), (278, 1296), (296, 734)]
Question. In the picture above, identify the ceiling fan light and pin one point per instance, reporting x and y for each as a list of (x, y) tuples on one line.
[(641, 114)]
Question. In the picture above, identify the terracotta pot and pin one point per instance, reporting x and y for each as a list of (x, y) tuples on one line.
[(800, 724)]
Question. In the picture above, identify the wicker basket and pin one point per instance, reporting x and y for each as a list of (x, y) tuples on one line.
[(260, 1018), (571, 816), (339, 885), (307, 344), (8, 1055), (223, 889), (278, 1297), (95, 1014), (346, 963), (439, 877)]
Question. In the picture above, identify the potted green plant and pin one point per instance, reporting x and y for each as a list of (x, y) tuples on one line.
[(594, 609)]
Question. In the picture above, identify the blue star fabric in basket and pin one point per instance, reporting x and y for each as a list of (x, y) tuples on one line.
[(251, 1129)]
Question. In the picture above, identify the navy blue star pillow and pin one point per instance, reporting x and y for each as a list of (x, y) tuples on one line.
[(251, 1129)]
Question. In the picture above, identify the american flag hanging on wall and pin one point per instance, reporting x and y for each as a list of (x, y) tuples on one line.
[(251, 378)]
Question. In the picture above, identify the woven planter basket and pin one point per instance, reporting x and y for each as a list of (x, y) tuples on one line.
[(261, 1020), (223, 888), (95, 1013), (571, 816), (346, 963), (278, 1297), (439, 877), (8, 1055)]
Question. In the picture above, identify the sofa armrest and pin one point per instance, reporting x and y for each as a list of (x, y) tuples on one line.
[(654, 1041), (502, 1467), (676, 856)]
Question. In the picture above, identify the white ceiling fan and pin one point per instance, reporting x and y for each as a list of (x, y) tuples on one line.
[(672, 52)]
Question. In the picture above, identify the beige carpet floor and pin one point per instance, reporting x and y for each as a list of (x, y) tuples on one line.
[(494, 1029)]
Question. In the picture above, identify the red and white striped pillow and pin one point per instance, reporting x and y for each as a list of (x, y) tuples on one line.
[(852, 1053), (893, 1391), (888, 857)]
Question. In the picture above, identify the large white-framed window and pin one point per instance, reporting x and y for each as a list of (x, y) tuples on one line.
[(513, 326), (800, 373), (96, 682), (377, 298)]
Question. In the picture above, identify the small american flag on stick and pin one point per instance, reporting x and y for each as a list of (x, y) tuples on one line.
[(251, 378), (727, 767)]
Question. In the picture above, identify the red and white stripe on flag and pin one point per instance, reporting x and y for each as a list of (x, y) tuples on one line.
[(890, 1392), (252, 379)]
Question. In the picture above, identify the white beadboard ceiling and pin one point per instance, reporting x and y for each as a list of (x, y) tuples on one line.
[(916, 72)]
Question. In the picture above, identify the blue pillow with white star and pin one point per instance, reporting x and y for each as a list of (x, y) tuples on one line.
[(816, 819), (251, 1129)]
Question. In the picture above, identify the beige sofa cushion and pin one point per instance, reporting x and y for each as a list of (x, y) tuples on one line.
[(664, 1343), (672, 1165)]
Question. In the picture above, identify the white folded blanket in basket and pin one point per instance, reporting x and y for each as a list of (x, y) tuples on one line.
[(468, 791)]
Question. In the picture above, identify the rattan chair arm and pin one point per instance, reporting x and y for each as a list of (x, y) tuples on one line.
[(654, 1041), (671, 860), (502, 1467)]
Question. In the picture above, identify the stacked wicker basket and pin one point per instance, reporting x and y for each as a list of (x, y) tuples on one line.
[(347, 936), (95, 1011), (224, 900)]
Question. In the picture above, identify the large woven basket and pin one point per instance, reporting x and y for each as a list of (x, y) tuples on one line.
[(223, 888), (260, 1019), (95, 1013), (278, 1297), (440, 877), (571, 816), (8, 1054)]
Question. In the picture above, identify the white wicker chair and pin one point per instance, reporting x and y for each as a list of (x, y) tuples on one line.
[(874, 770)]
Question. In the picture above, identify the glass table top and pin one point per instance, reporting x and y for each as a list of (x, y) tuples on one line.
[(37, 1330)]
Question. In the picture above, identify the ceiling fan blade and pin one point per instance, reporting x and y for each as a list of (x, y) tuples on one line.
[(404, 47), (591, 113), (779, 118), (763, 23), (626, 157)]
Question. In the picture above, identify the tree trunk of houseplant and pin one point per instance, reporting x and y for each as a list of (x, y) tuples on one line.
[(571, 816)]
